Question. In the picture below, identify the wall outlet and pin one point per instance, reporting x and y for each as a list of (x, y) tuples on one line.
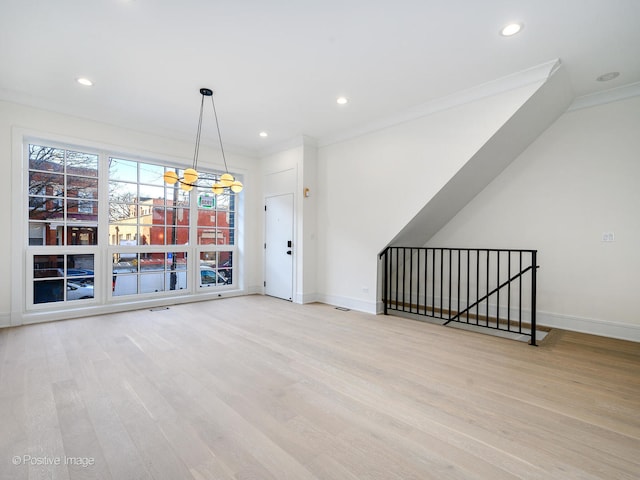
[(608, 237)]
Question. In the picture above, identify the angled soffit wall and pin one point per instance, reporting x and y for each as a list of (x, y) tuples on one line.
[(548, 102)]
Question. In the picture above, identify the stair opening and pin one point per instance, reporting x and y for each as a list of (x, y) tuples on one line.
[(473, 288)]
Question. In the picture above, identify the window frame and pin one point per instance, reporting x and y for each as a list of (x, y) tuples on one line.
[(103, 251), (37, 250)]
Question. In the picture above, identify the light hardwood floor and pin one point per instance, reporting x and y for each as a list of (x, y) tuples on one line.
[(258, 388)]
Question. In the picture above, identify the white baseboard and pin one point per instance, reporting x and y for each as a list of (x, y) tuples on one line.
[(255, 290), (603, 328), (350, 303), (303, 298), (622, 331), (27, 318)]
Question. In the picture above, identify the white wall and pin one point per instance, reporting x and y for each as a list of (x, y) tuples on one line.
[(16, 118), (370, 187), (578, 180), (309, 182)]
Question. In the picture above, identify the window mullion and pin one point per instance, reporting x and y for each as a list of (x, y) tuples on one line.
[(194, 256), (104, 260)]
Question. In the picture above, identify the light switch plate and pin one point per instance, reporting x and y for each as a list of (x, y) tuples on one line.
[(608, 237)]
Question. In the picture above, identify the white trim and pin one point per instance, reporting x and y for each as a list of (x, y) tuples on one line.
[(268, 173), (41, 317), (606, 96), (303, 298), (622, 331), (101, 147), (365, 306), (255, 290), (536, 74), (300, 141), (32, 101), (19, 229), (23, 310)]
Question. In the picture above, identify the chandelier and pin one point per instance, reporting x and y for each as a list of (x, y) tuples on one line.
[(190, 176)]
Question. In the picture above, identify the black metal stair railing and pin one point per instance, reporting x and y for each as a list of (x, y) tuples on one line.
[(491, 288)]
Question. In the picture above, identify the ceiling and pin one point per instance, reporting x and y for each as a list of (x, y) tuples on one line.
[(278, 66)]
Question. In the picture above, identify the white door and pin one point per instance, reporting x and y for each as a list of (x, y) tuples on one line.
[(279, 246)]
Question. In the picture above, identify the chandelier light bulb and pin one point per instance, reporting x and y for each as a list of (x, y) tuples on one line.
[(190, 175), (226, 179), (236, 186), (170, 177)]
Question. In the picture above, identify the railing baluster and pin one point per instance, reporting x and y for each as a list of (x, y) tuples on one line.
[(404, 279), (520, 293), (468, 285), (509, 290), (498, 292), (390, 276), (426, 280), (417, 279), (441, 278), (477, 286), (397, 276), (386, 282), (433, 282), (410, 280), (458, 308), (447, 274), (487, 288), (534, 265)]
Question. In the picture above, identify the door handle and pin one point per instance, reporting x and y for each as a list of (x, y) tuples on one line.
[(288, 252)]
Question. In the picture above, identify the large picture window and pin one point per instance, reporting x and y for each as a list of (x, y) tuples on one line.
[(91, 208)]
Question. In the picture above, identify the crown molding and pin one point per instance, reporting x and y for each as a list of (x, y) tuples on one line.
[(28, 101), (536, 74), (606, 96), (295, 142)]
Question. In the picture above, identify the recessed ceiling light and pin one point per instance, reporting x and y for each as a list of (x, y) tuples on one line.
[(608, 76), (263, 134), (511, 29), (84, 81), (342, 100)]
